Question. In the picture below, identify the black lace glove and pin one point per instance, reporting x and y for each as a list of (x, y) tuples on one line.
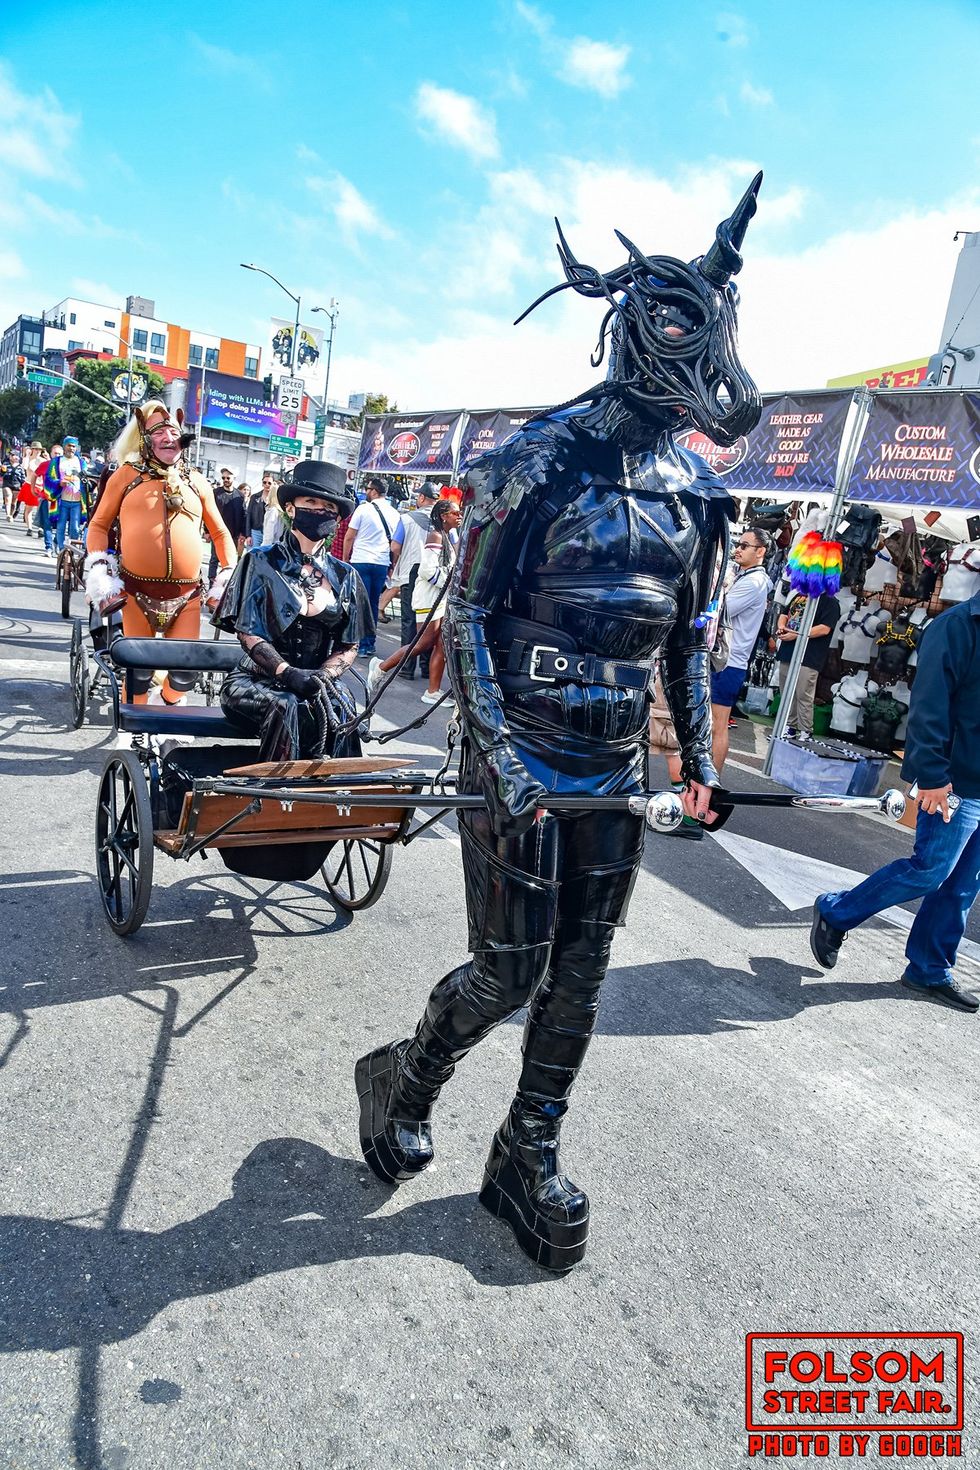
[(301, 682), (513, 796)]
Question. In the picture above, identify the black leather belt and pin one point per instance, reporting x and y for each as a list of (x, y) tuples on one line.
[(544, 664)]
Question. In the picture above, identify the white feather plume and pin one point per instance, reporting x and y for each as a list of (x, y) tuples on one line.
[(102, 581)]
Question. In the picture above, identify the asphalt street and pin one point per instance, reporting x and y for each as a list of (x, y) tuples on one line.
[(196, 1268)]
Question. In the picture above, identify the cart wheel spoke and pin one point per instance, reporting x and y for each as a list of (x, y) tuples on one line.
[(124, 842), (357, 892)]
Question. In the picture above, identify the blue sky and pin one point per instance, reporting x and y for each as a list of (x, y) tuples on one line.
[(408, 160)]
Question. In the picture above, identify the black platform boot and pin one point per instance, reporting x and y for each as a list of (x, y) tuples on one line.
[(396, 1137), (398, 1084), (523, 1185)]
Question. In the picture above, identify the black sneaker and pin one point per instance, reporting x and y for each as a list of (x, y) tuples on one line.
[(950, 993), (825, 940)]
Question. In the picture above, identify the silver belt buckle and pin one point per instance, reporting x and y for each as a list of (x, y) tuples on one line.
[(536, 650)]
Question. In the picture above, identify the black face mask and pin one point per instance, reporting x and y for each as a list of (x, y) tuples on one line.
[(316, 524)]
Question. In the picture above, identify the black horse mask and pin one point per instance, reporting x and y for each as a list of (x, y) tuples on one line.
[(672, 328)]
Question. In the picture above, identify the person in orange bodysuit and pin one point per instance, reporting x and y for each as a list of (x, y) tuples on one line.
[(159, 502)]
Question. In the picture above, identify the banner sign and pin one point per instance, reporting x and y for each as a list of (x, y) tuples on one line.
[(309, 354), (794, 446), (235, 405), (921, 448), (415, 444), (486, 431)]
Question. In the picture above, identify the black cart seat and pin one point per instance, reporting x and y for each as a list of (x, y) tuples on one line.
[(199, 655), (196, 720)]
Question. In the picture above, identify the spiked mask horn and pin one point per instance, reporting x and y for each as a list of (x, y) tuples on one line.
[(723, 259)]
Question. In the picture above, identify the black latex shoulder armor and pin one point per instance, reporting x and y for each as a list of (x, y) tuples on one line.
[(553, 451)]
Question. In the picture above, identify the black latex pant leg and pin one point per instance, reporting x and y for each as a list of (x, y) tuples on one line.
[(511, 902), (537, 939), (523, 1183)]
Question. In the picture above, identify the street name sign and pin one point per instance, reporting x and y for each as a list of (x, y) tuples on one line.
[(50, 380), (279, 444)]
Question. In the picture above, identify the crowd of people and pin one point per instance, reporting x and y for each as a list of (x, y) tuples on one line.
[(402, 553)]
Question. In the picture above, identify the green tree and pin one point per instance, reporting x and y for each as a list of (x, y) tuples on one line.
[(376, 403), (16, 410), (73, 411)]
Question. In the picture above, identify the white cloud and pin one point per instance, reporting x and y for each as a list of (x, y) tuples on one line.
[(458, 120), (11, 266), (229, 63), (857, 299), (541, 24), (597, 66), (853, 300), (353, 213), (35, 130), (88, 290), (756, 96)]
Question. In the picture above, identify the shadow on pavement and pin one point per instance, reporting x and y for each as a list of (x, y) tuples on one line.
[(695, 997), (64, 1284)]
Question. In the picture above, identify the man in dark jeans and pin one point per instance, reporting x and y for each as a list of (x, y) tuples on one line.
[(367, 545), (825, 621), (942, 754)]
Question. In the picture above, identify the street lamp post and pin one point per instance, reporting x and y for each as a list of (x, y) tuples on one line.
[(331, 312), (295, 352)]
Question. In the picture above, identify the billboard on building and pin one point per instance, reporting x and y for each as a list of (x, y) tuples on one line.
[(311, 364), (232, 405), (895, 375)]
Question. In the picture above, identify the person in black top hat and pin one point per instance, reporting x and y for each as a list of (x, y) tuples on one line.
[(299, 614)]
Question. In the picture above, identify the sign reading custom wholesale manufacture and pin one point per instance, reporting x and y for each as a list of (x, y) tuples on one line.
[(417, 443), (488, 430), (235, 405), (921, 448), (793, 447)]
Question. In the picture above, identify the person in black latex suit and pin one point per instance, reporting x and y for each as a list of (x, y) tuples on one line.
[(589, 547), (299, 613)]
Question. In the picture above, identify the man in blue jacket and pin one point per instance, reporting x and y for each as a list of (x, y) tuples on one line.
[(942, 754)]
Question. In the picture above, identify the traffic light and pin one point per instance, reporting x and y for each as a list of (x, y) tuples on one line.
[(266, 387), (21, 366)]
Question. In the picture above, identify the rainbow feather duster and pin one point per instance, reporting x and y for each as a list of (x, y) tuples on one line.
[(815, 565)]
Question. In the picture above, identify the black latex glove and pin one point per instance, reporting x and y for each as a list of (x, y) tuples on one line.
[(301, 682), (513, 796)]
